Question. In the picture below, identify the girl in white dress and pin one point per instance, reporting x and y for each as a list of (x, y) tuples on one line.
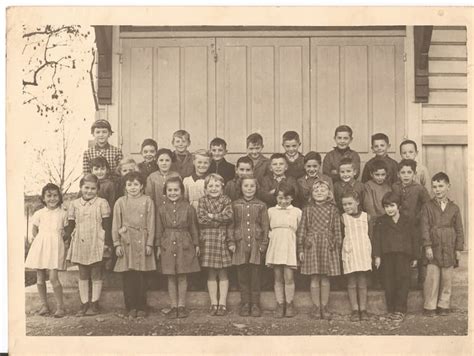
[(281, 253), (47, 251), (356, 253)]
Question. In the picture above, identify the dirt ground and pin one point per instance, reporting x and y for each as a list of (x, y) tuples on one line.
[(199, 323)]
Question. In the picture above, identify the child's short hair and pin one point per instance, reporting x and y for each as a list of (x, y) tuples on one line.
[(173, 180), (346, 160), (407, 163), (409, 142), (278, 156), (440, 176), (101, 124), (248, 177), (183, 134), (124, 161), (131, 176), (287, 190), (244, 159), (100, 162), (149, 142), (89, 178), (201, 152), (351, 194), (51, 187), (312, 155), (376, 165), (213, 176), (218, 142), (165, 151), (379, 136), (343, 128), (322, 182), (291, 135), (255, 139), (391, 198)]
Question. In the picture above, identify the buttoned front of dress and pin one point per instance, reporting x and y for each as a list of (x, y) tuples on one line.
[(88, 237), (249, 230), (177, 235), (133, 228)]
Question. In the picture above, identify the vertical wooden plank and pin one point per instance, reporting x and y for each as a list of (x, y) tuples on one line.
[(325, 85), (291, 90), (141, 83), (125, 97), (234, 94), (195, 115), (356, 94), (383, 94), (262, 95), (435, 159), (401, 128), (166, 94), (465, 153)]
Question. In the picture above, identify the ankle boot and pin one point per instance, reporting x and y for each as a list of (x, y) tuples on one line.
[(280, 310)]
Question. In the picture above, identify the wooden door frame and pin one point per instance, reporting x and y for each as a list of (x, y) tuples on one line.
[(413, 122)]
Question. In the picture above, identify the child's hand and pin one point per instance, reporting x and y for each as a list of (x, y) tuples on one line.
[(413, 263), (301, 255), (232, 248), (377, 262), (210, 215), (119, 251), (198, 251), (429, 253), (148, 250), (158, 251)]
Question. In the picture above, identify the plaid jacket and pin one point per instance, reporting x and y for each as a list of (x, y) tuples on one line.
[(112, 154)]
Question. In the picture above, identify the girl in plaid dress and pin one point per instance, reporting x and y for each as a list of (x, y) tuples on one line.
[(319, 245), (214, 215), (89, 230), (356, 253), (281, 254)]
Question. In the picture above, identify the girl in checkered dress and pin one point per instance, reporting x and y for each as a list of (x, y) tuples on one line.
[(281, 254), (319, 245), (89, 230), (214, 215)]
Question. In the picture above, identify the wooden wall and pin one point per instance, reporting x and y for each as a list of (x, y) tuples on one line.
[(453, 160), (231, 87)]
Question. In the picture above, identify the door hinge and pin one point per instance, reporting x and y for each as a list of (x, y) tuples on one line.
[(404, 57), (120, 55)]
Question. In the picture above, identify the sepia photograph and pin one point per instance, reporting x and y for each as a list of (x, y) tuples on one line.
[(238, 178)]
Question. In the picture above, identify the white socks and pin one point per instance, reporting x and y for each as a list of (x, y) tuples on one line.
[(289, 292), (279, 292), (96, 290), (84, 290), (212, 288), (223, 289)]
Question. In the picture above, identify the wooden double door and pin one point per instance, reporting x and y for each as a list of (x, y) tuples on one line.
[(231, 87)]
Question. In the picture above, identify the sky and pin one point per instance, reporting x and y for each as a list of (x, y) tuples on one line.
[(42, 134)]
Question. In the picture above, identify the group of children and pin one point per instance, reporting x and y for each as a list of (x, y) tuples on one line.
[(178, 212)]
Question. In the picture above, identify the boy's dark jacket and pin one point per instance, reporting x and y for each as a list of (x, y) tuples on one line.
[(223, 168), (395, 237), (442, 231)]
